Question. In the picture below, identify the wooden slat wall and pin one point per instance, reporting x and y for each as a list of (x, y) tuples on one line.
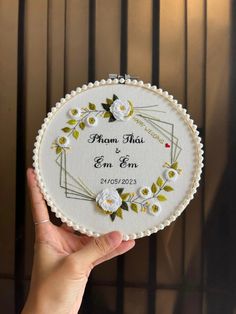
[(8, 112), (190, 60)]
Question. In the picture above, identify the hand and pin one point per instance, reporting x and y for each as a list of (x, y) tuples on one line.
[(63, 260)]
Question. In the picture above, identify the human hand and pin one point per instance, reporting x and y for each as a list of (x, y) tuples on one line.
[(63, 260)]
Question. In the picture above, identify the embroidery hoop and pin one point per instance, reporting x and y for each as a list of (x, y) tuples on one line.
[(180, 110)]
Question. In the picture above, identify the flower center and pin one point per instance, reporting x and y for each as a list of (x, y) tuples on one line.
[(91, 120), (74, 112), (122, 107), (155, 208), (109, 201), (171, 174), (62, 140), (145, 191)]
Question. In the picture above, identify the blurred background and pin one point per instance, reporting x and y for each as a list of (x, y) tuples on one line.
[(48, 48)]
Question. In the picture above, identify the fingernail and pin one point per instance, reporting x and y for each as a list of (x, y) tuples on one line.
[(115, 237)]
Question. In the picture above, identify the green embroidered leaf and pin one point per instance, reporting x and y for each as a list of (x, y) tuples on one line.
[(168, 188), (134, 207), (58, 150), (124, 206), (109, 101), (175, 165), (124, 196), (161, 198), (119, 213), (120, 190), (66, 130), (113, 216), (72, 122), (115, 97), (82, 125), (154, 188), (112, 119), (107, 114), (92, 106), (75, 134), (106, 107), (160, 181)]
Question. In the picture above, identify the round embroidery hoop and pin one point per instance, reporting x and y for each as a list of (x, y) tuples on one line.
[(106, 97)]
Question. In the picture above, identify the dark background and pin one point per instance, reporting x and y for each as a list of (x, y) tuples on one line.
[(48, 48)]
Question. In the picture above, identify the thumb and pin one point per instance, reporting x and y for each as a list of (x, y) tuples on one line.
[(97, 248)]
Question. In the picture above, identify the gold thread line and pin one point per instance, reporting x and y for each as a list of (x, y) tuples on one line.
[(81, 185)]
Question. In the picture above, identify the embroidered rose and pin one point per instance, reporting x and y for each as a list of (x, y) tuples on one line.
[(121, 110), (171, 174), (109, 200), (63, 141), (154, 207), (91, 121), (75, 113), (145, 192)]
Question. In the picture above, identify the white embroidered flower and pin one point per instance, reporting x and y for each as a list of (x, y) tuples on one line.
[(121, 110), (91, 121), (145, 192), (171, 174), (75, 113), (63, 141), (154, 207), (109, 200)]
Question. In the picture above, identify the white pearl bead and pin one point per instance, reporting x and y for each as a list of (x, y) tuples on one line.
[(122, 80), (140, 83), (90, 85), (116, 81), (128, 81), (96, 83), (62, 100), (134, 82), (84, 87), (78, 90), (68, 96), (148, 85), (109, 81), (73, 93), (126, 238)]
